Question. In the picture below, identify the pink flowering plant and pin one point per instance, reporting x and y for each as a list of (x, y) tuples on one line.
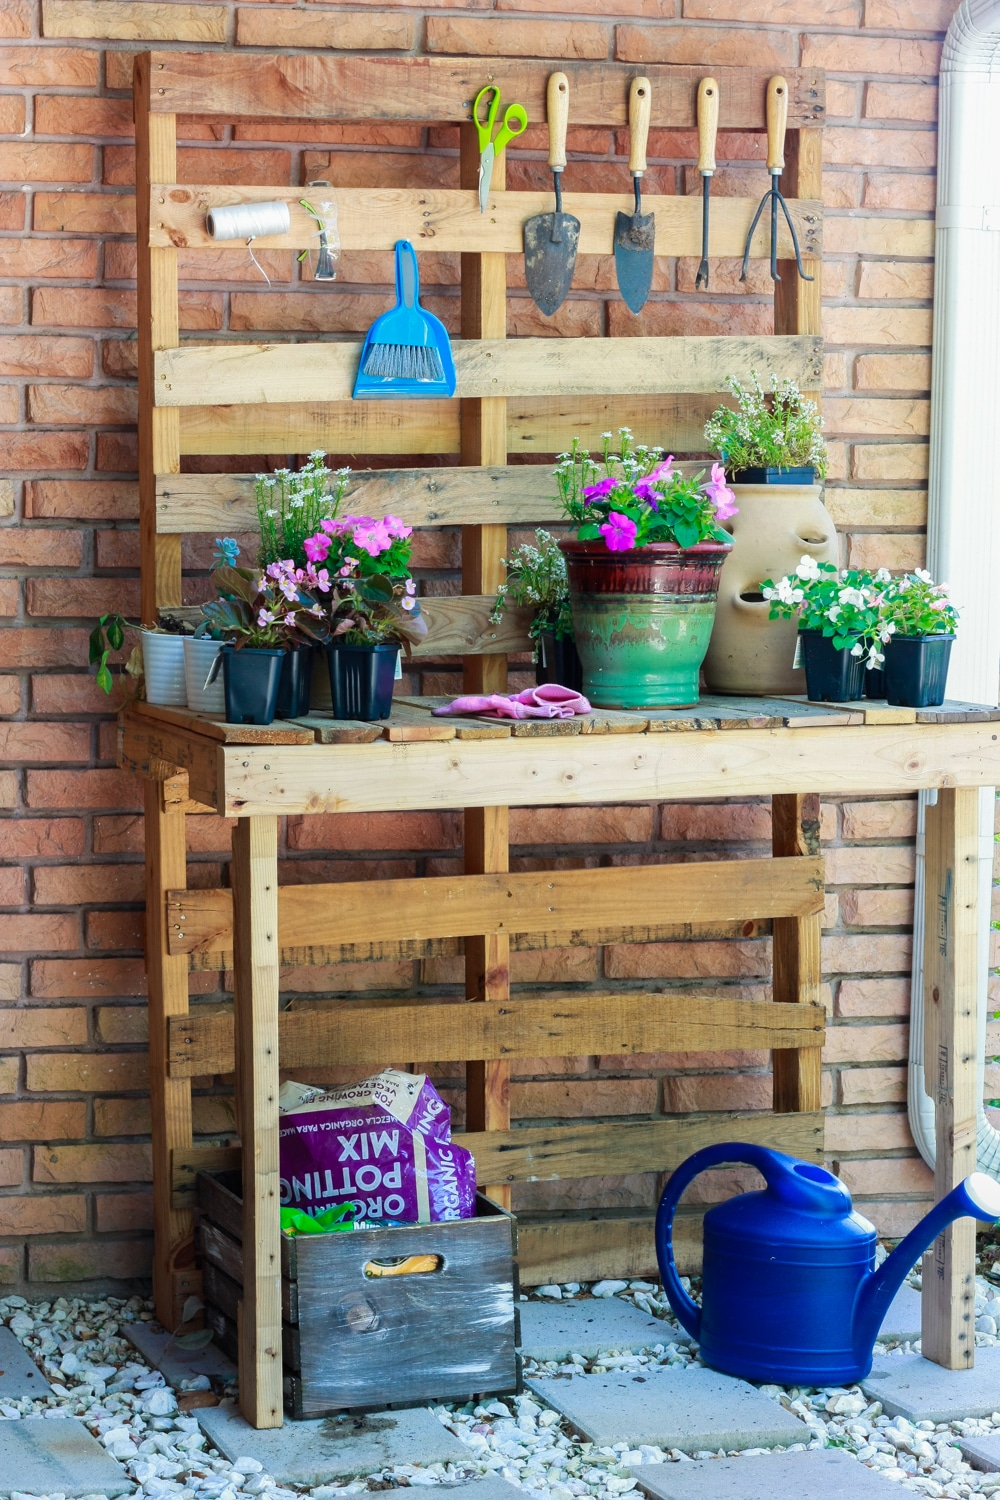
[(268, 608), (915, 605), (635, 496), (371, 596)]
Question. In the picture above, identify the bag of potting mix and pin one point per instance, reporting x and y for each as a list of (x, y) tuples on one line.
[(383, 1145)]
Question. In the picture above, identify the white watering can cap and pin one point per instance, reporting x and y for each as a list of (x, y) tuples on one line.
[(985, 1193)]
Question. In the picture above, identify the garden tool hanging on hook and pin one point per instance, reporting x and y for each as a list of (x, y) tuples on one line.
[(777, 122)]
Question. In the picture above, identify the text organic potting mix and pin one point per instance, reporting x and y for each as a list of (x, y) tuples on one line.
[(383, 1144)]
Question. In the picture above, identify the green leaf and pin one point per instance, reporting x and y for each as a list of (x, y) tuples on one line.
[(105, 681), (116, 634), (192, 1306), (687, 533), (97, 650), (198, 1340), (588, 533)]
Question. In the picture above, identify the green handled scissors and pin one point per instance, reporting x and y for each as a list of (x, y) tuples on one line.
[(515, 122)]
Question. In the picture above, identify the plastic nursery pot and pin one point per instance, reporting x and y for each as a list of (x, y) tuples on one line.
[(295, 687), (163, 669), (559, 661), (804, 474), (642, 619), (832, 675), (361, 679), (251, 679), (916, 670), (874, 683), (199, 654)]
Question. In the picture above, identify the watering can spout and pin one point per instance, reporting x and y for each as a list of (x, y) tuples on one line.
[(978, 1196)]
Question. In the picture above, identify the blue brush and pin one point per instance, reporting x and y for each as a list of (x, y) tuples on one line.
[(407, 351)]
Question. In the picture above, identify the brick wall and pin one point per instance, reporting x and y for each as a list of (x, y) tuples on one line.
[(74, 1116)]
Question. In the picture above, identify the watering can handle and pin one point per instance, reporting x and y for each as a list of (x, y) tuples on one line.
[(768, 1163)]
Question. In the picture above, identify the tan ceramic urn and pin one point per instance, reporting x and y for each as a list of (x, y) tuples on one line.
[(777, 524)]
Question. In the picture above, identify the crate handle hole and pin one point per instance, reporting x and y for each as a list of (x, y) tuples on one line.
[(404, 1265)]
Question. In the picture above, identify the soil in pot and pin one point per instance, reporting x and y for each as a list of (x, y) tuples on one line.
[(916, 670), (559, 661), (832, 675), (642, 620), (163, 669), (361, 679), (251, 680), (295, 687)]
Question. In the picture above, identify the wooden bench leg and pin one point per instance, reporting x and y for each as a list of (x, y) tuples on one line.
[(951, 987), (256, 953), (796, 957), (487, 977), (170, 1098)]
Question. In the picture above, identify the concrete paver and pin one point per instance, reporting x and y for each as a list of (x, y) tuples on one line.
[(341, 1447), (823, 1472), (20, 1377), (981, 1452), (45, 1457), (160, 1350), (919, 1390), (554, 1330), (902, 1321), (687, 1409)]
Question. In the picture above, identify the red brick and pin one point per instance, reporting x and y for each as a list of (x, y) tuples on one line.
[(46, 354), (30, 162), (45, 66), (87, 1072), (119, 1024), (859, 1132), (11, 298), (897, 279), (81, 499), (62, 404), (78, 789), (83, 307), (880, 148), (866, 954), (878, 820), (129, 1211), (360, 30), (578, 1101), (85, 213), (907, 1176), (91, 1260), (12, 205), (8, 789), (104, 1163), (120, 358), (72, 597), (877, 908), (28, 934), (901, 101), (872, 1086), (11, 1168), (9, 597), (897, 190), (686, 822), (31, 258), (8, 1074), (516, 38), (118, 452), (15, 18), (70, 885), (114, 930), (66, 979), (869, 866), (43, 1120), (722, 45), (122, 1117), (27, 837), (38, 646), (45, 1213), (200, 164), (862, 1044), (868, 55), (42, 1026), (720, 1091), (36, 741), (46, 450), (357, 831), (874, 997), (11, 887), (902, 553), (10, 695), (909, 15), (709, 960), (581, 825)]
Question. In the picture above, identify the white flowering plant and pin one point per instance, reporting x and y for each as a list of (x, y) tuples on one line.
[(536, 579), (781, 430), (293, 504), (842, 604), (915, 605)]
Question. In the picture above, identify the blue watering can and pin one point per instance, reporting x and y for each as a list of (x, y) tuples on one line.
[(790, 1293)]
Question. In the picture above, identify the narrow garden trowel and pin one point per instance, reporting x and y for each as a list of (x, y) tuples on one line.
[(551, 240), (635, 233)]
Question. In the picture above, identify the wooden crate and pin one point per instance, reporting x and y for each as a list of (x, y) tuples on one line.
[(354, 1341)]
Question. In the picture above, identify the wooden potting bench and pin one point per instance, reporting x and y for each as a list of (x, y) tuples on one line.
[(529, 396)]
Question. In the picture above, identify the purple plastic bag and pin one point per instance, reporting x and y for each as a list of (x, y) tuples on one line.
[(384, 1143)]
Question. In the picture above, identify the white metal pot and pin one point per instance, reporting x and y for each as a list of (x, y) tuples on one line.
[(199, 654), (163, 669)]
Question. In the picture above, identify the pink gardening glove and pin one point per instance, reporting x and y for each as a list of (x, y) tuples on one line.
[(550, 701)]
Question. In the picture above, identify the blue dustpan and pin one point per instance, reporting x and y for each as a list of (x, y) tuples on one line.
[(407, 351)]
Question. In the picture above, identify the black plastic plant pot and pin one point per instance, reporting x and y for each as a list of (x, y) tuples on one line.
[(251, 679), (832, 675), (875, 682), (361, 679), (295, 686), (806, 474), (558, 661), (916, 670)]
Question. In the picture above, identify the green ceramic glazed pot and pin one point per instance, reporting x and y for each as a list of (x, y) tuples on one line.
[(642, 620)]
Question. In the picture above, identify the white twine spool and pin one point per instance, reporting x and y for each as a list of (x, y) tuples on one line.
[(246, 221)]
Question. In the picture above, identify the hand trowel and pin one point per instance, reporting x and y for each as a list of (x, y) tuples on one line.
[(551, 240), (635, 232)]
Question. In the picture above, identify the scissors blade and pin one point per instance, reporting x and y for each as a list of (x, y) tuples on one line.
[(485, 175)]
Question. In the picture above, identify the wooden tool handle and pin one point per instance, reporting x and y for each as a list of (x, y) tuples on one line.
[(708, 125), (777, 123), (639, 106), (557, 99)]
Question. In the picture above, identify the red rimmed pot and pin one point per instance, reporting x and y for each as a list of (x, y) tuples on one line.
[(642, 620)]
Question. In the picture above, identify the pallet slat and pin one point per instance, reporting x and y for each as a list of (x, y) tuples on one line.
[(566, 1152), (321, 86), (254, 374), (439, 220), (536, 901), (567, 1025)]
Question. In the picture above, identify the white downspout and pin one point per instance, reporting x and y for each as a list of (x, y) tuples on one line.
[(963, 521)]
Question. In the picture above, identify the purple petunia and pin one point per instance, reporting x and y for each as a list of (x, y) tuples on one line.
[(619, 532), (599, 490), (721, 496)]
